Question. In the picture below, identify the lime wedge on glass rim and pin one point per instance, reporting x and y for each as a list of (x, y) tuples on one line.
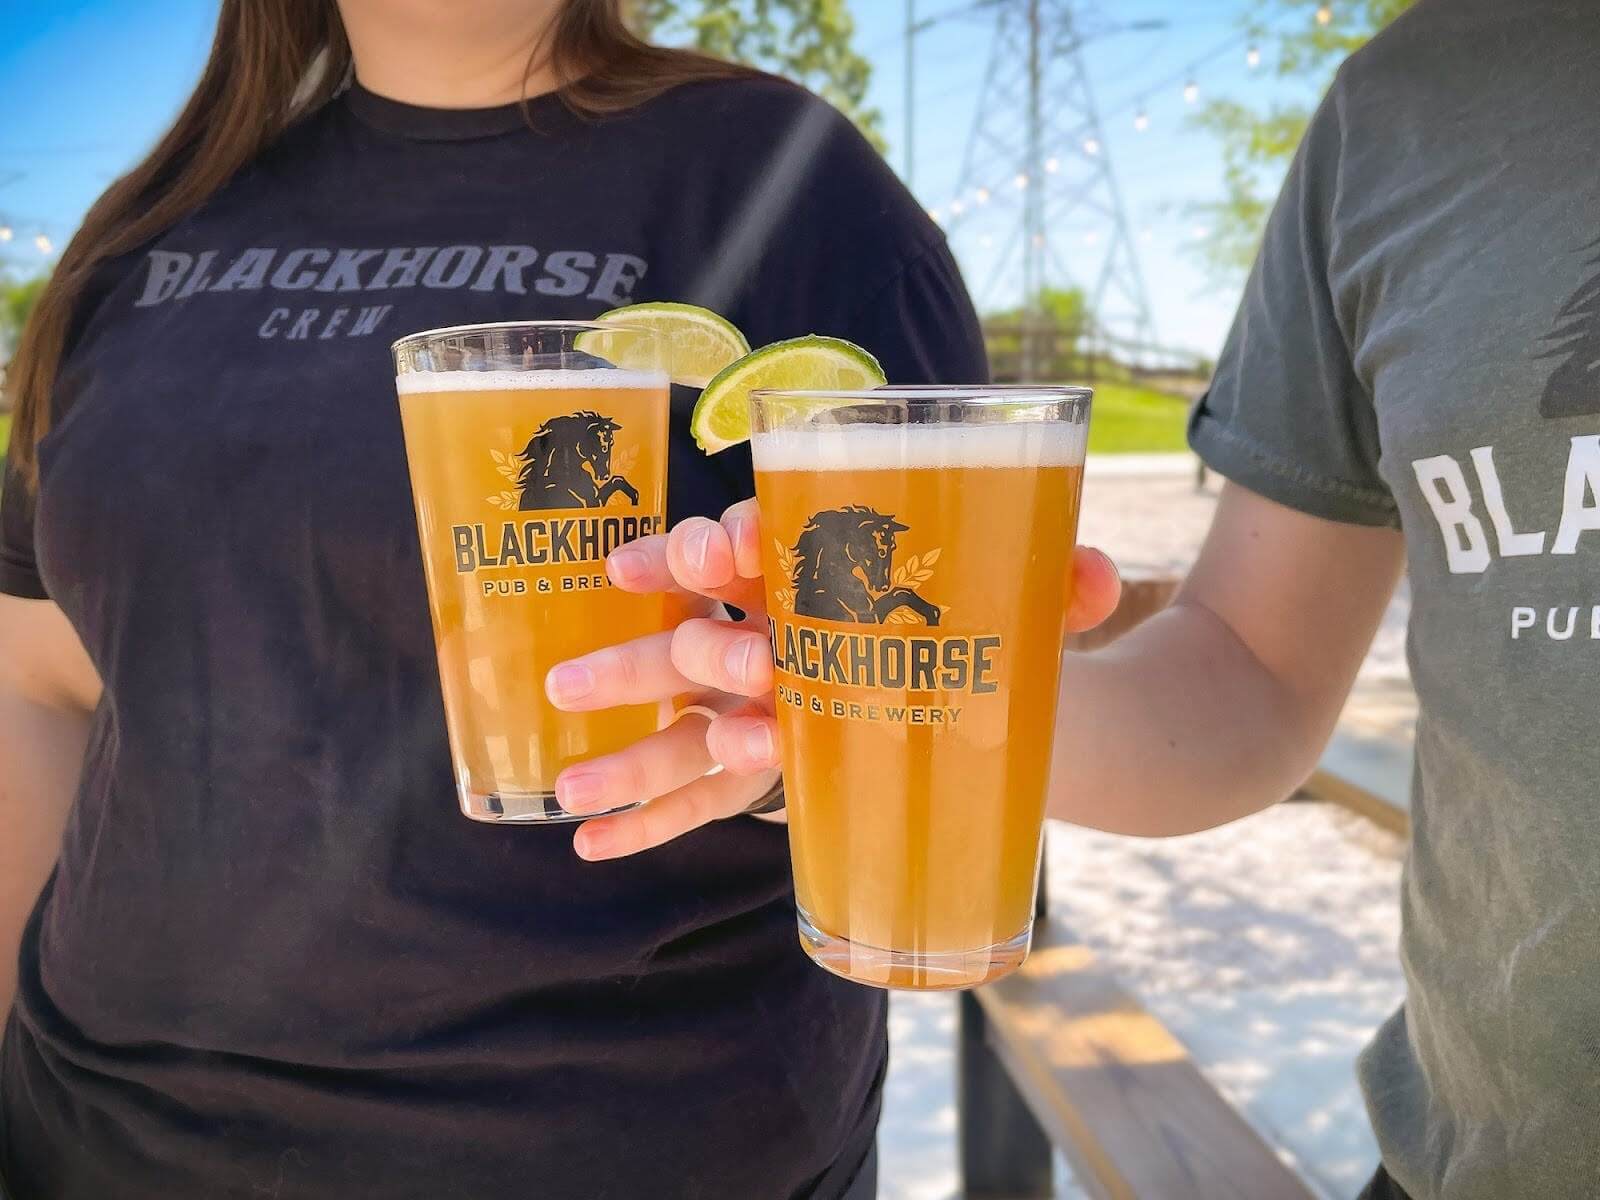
[(722, 415), (698, 342)]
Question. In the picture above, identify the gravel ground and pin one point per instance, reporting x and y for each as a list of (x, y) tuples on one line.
[(1273, 978), (1267, 947), (1149, 515)]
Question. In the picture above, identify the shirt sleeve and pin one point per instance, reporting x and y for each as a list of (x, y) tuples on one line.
[(1286, 414), (19, 572), (836, 243), (921, 325)]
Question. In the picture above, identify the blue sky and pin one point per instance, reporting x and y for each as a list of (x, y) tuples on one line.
[(85, 85)]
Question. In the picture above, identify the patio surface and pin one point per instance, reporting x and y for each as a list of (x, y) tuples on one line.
[(1267, 947)]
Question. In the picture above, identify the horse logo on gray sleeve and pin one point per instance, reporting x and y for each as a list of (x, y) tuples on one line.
[(1573, 389)]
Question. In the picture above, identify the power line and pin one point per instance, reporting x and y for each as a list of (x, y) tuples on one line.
[(1187, 77), (1038, 147)]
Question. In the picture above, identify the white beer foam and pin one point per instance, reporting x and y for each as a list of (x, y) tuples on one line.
[(518, 381), (913, 447)]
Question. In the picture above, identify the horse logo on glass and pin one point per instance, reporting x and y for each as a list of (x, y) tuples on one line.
[(568, 463), (842, 569)]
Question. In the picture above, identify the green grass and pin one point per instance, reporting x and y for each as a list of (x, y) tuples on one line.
[(1127, 420), (1134, 420)]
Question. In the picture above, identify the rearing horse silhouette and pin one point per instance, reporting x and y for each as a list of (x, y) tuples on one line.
[(844, 565), (1571, 390), (568, 464)]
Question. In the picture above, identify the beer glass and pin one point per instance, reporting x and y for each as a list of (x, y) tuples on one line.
[(535, 450), (918, 545)]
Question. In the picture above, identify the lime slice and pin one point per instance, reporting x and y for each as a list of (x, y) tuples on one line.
[(698, 342), (722, 415)]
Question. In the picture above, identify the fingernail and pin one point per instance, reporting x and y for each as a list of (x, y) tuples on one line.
[(697, 547), (578, 793), (571, 682), (592, 843), (736, 532), (758, 744), (737, 660), (626, 564)]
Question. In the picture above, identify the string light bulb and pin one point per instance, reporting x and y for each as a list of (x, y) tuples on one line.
[(1022, 181), (43, 243), (5, 233), (1052, 164), (983, 195), (1141, 120), (957, 208), (1252, 57), (935, 216), (1324, 14), (1191, 92), (1091, 146)]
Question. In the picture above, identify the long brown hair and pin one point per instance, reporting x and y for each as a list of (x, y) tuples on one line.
[(273, 62)]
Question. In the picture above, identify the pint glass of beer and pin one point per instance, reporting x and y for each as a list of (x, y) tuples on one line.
[(535, 450), (918, 547)]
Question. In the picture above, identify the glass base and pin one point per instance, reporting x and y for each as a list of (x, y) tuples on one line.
[(913, 971), (508, 807)]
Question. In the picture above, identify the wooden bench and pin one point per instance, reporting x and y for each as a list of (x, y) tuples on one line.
[(1060, 1055), (1367, 765)]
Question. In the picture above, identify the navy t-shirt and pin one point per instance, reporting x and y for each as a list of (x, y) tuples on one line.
[(274, 959)]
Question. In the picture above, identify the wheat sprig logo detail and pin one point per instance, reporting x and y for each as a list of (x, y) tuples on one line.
[(915, 572), (623, 461), (842, 569), (786, 567), (505, 465)]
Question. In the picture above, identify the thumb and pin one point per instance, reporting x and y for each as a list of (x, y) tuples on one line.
[(1096, 588)]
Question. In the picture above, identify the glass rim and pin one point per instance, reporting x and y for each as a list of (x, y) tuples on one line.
[(997, 393), (487, 326)]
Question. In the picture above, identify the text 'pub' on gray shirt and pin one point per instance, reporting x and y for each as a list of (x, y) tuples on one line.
[(1419, 345)]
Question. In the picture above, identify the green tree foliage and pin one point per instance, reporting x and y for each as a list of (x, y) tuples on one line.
[(810, 41), (1257, 145), (1066, 310), (1064, 313), (17, 298)]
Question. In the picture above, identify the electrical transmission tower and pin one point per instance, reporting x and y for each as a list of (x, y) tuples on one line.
[(1038, 148)]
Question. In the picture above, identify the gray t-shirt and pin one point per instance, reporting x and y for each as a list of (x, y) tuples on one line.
[(1419, 345)]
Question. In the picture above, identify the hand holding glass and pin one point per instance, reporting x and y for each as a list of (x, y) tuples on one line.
[(918, 549)]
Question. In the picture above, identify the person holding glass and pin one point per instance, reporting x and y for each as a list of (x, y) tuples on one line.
[(1410, 384), (250, 945)]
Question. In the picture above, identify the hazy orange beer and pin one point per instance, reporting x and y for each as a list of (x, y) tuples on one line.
[(918, 550), (533, 455)]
